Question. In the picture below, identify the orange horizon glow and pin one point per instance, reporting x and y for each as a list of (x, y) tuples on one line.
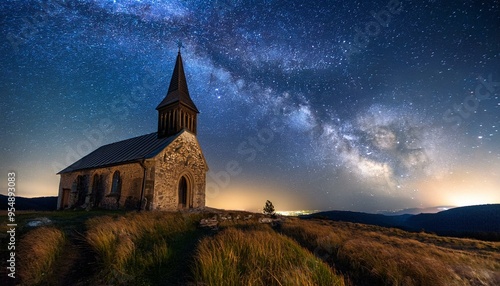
[(462, 188), (458, 188), (253, 197)]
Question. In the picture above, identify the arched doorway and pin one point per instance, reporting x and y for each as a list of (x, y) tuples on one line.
[(184, 194)]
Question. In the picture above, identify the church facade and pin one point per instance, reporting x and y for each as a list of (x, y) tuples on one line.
[(164, 170)]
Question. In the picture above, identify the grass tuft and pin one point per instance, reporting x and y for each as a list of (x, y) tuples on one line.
[(38, 251), (258, 257), (131, 246)]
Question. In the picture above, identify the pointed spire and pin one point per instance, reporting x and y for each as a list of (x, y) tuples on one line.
[(179, 45), (178, 90)]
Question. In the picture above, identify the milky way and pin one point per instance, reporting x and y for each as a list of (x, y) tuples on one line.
[(359, 105)]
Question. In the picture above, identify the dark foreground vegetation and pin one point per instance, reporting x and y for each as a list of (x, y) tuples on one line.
[(160, 248)]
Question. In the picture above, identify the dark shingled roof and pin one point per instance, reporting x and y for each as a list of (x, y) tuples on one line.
[(129, 150), (178, 90)]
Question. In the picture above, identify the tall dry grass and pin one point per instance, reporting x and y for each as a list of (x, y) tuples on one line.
[(258, 257), (38, 251), (373, 254), (167, 248), (128, 246)]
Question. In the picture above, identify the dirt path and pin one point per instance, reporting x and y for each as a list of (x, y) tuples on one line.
[(77, 263), (178, 270)]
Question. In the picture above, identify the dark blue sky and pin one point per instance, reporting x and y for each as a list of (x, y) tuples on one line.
[(358, 105)]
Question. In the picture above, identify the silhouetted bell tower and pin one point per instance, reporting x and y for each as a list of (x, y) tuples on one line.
[(177, 111)]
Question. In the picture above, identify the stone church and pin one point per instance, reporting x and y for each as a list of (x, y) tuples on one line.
[(164, 170)]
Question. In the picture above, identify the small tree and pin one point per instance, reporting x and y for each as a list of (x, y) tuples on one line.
[(268, 208)]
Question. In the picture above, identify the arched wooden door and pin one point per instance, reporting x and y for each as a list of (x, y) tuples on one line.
[(184, 193)]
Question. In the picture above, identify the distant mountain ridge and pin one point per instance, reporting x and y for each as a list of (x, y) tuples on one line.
[(34, 204), (482, 221), (416, 211), (481, 218)]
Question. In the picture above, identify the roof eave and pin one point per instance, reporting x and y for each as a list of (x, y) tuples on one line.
[(102, 166)]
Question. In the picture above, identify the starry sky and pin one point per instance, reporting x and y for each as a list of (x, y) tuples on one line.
[(350, 105)]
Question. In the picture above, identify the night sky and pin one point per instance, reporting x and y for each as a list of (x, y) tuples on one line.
[(352, 105)]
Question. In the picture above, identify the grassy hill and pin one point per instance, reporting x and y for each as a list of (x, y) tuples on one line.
[(160, 248)]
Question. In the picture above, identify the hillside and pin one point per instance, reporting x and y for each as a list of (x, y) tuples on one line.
[(416, 211), (481, 221), (32, 204), (483, 218), (237, 248)]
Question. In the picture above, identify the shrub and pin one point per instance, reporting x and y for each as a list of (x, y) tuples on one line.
[(268, 208)]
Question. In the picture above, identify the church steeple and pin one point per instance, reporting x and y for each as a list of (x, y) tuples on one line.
[(177, 110)]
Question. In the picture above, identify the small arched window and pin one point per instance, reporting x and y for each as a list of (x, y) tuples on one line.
[(81, 188), (116, 186)]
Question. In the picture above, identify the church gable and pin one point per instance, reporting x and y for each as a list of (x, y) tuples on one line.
[(180, 172)]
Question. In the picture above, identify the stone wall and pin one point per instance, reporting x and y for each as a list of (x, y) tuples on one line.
[(131, 186), (183, 157)]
